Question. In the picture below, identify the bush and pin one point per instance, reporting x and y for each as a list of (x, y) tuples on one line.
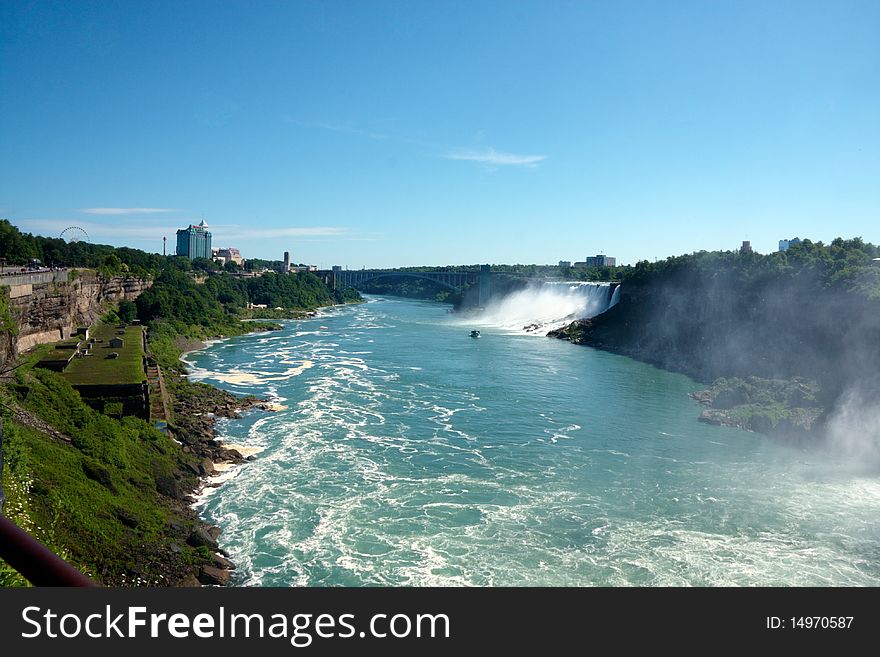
[(113, 409), (127, 311)]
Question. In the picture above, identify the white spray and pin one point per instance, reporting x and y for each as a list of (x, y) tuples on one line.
[(854, 426), (541, 308)]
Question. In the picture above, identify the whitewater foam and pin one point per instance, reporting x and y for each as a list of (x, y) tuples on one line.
[(436, 459), (538, 309)]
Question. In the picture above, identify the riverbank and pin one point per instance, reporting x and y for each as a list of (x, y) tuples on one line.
[(196, 408), (112, 497), (785, 409)]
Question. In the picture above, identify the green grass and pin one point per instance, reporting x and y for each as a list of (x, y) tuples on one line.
[(98, 369), (95, 502)]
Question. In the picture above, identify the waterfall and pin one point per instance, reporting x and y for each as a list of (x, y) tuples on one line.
[(615, 297), (540, 308)]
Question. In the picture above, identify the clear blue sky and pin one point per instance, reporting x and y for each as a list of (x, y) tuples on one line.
[(403, 133)]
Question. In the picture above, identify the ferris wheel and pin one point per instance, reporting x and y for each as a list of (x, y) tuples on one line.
[(74, 234)]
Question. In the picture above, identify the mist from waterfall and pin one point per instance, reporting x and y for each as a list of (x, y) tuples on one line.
[(540, 308)]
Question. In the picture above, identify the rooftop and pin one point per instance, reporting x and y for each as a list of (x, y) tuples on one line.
[(97, 369)]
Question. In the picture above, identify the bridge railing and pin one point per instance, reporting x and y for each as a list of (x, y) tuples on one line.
[(33, 277)]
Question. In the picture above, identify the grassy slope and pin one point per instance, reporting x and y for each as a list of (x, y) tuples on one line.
[(95, 502)]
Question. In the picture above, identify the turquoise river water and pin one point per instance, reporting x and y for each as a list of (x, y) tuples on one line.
[(411, 454)]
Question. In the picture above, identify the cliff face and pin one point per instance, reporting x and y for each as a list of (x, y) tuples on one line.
[(46, 312), (708, 329)]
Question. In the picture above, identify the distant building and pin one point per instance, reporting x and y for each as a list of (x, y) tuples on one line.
[(746, 247), (230, 255), (785, 244), (579, 264), (116, 343), (194, 242), (601, 261), (565, 263), (337, 267), (286, 261)]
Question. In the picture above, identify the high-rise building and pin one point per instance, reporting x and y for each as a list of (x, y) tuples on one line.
[(746, 247), (286, 261), (194, 242)]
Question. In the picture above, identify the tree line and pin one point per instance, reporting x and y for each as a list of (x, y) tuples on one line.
[(845, 265)]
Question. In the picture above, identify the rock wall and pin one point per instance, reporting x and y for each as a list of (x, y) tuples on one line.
[(50, 311)]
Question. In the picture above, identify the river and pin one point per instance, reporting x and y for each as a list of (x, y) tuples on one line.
[(412, 454)]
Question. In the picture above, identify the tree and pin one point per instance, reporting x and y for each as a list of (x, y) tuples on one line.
[(17, 247), (111, 264), (204, 264), (127, 310)]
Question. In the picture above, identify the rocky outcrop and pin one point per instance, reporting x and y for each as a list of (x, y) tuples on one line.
[(782, 408), (196, 407), (49, 311)]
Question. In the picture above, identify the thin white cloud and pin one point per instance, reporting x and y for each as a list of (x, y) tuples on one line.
[(232, 231), (98, 232), (492, 157), (103, 233), (114, 211)]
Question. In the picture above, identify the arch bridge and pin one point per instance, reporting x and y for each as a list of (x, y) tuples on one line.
[(456, 281)]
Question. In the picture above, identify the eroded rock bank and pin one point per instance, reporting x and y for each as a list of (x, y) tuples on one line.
[(196, 408)]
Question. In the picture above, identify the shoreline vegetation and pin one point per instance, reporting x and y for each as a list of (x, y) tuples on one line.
[(111, 493)]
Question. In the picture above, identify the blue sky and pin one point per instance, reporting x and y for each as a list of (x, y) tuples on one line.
[(403, 133)]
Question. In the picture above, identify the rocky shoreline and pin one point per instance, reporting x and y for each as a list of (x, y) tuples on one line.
[(196, 409), (780, 408)]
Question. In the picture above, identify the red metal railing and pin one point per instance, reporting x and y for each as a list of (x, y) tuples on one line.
[(37, 563)]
